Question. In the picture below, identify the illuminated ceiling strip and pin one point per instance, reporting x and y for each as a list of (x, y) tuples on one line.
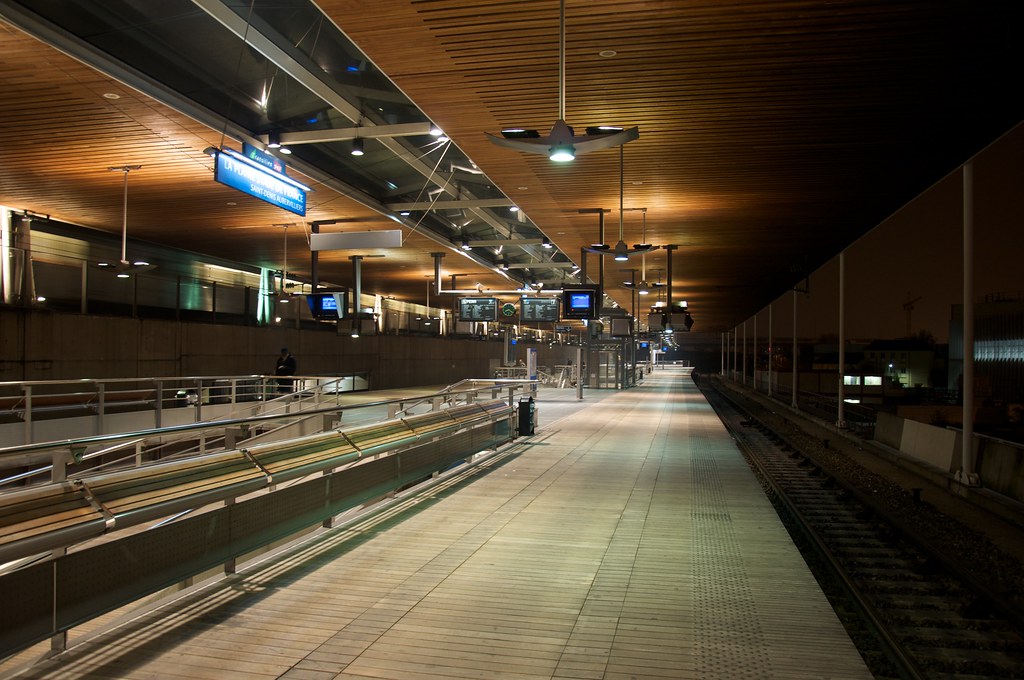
[(345, 134), (541, 265), (448, 205)]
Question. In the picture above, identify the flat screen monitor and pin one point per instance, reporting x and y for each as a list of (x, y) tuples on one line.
[(581, 302), (538, 309), (327, 305), (478, 309)]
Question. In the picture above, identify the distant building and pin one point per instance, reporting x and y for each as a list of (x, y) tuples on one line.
[(998, 347), (907, 361)]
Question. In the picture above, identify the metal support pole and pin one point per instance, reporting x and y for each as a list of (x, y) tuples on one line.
[(770, 350), (84, 301), (314, 260), (967, 451), (357, 286), (437, 274), (668, 276), (27, 418), (158, 405), (793, 397), (753, 354), (744, 382), (722, 371), (579, 372), (735, 351), (841, 392), (101, 408)]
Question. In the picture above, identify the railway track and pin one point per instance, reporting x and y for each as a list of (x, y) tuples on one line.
[(910, 608)]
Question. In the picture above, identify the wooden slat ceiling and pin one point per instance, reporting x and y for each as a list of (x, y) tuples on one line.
[(772, 133)]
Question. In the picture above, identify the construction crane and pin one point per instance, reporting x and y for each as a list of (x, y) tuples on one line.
[(908, 307)]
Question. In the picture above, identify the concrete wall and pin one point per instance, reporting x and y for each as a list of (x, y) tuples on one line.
[(929, 444), (889, 429), (1001, 467), (38, 345), (999, 464)]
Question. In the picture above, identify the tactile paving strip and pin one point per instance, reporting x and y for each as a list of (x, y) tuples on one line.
[(728, 635)]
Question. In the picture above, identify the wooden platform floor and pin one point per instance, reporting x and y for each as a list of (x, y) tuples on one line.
[(626, 540)]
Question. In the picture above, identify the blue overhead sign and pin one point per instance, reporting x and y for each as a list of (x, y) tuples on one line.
[(238, 172)]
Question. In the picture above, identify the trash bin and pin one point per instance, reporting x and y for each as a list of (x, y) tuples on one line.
[(527, 416)]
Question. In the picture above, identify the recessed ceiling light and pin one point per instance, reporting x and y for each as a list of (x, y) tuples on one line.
[(111, 95), (232, 203), (522, 188), (607, 53)]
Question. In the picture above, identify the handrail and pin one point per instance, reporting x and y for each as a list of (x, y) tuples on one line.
[(56, 451), (325, 471), (490, 384), (123, 498)]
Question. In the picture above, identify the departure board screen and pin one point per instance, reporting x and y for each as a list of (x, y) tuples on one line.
[(538, 309), (478, 309)]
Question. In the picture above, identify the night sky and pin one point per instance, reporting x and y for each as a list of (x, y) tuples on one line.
[(919, 252)]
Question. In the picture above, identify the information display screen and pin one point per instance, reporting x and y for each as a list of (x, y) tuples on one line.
[(478, 309), (538, 309), (581, 303), (327, 305)]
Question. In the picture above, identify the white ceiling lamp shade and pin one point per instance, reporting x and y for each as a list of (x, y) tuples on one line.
[(562, 144)]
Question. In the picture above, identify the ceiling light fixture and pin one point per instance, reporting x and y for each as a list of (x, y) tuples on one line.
[(465, 245), (562, 144), (357, 146), (124, 267), (274, 139), (621, 251), (644, 288), (546, 243)]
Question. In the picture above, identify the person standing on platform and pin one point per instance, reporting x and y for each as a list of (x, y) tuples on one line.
[(285, 367)]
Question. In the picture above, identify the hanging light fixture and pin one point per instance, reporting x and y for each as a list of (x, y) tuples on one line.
[(643, 288), (357, 146), (282, 294), (621, 251), (562, 144), (124, 267)]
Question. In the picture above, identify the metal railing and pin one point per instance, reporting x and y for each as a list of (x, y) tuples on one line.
[(30, 409), (298, 413)]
